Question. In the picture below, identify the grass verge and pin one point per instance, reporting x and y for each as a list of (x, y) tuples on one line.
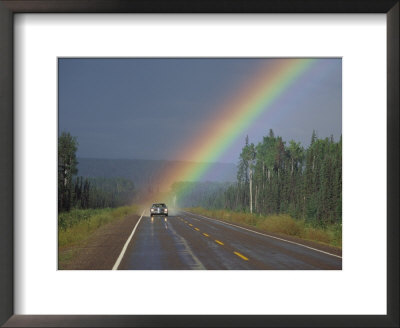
[(75, 226), (282, 224)]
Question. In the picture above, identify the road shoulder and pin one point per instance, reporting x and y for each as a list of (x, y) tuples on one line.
[(319, 246), (102, 249)]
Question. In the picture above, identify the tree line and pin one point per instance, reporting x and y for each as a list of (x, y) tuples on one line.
[(276, 177), (207, 194), (84, 192)]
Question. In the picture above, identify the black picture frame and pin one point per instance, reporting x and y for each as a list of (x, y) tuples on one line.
[(10, 7)]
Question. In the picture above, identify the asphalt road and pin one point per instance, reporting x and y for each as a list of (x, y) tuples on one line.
[(186, 241)]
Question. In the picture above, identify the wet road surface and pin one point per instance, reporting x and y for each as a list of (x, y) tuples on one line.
[(187, 241)]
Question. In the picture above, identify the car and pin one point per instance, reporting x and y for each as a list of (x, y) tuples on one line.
[(158, 209)]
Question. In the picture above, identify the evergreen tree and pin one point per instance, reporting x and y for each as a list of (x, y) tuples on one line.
[(275, 178), (67, 168)]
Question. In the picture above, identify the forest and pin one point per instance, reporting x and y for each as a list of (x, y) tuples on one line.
[(276, 177), (273, 177), (87, 192)]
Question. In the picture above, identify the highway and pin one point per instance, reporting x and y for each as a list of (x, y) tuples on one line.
[(186, 241)]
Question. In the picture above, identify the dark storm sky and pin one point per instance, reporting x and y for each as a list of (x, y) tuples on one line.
[(148, 108)]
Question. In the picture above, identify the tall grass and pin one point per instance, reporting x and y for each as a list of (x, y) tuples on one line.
[(280, 224), (78, 224)]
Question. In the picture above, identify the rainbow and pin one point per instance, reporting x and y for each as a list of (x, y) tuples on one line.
[(232, 119)]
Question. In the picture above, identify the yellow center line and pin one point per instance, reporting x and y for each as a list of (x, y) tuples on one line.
[(205, 234), (197, 229), (241, 256), (219, 242), (191, 224)]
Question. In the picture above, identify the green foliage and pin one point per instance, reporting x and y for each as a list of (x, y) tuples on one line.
[(276, 178), (78, 224), (288, 179), (207, 194), (102, 192), (67, 168), (278, 223), (77, 192)]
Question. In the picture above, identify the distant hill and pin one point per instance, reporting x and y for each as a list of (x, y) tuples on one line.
[(142, 172)]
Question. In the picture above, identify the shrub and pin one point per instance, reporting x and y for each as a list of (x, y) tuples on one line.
[(79, 224), (281, 224)]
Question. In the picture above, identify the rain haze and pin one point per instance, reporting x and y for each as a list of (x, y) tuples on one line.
[(149, 108)]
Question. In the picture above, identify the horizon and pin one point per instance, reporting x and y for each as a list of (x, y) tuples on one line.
[(177, 160)]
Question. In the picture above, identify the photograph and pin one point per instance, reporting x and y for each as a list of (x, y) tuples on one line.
[(199, 163), (182, 164)]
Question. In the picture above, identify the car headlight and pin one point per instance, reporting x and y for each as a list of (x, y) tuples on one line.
[(166, 210), (152, 210)]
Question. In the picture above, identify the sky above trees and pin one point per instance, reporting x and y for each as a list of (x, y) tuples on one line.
[(149, 108)]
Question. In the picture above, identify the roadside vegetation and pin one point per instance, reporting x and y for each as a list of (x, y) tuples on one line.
[(87, 192), (280, 188), (86, 204), (275, 177), (282, 224), (77, 225)]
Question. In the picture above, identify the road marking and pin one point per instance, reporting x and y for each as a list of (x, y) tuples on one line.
[(119, 259), (205, 234), (191, 224), (219, 242), (197, 229), (241, 256), (187, 252), (264, 234)]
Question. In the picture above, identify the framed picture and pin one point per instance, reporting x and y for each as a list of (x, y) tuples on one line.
[(36, 291)]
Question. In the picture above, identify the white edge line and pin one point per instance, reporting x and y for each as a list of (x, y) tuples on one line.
[(119, 259), (259, 233)]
